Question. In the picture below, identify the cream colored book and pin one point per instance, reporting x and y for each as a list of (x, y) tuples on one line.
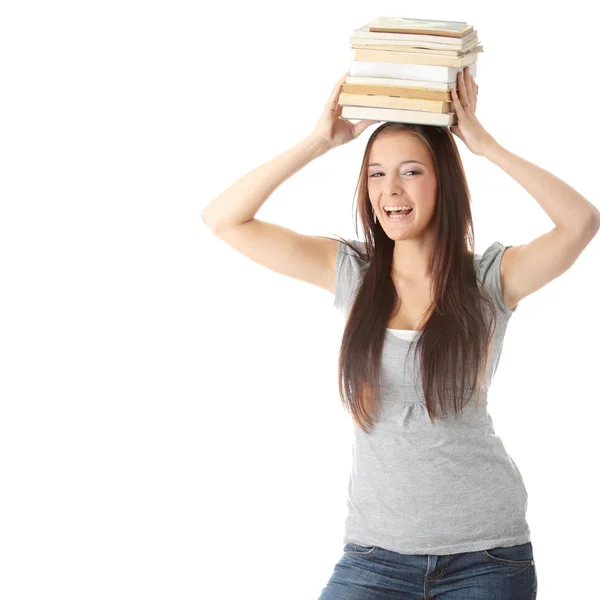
[(363, 35), (372, 101), (456, 29), (367, 113), (417, 58)]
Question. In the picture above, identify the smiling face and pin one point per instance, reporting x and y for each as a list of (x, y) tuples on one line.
[(404, 176)]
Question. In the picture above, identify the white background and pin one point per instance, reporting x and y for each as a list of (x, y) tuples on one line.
[(170, 425)]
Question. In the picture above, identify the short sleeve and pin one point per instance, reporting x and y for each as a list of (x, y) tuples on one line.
[(488, 272), (348, 270)]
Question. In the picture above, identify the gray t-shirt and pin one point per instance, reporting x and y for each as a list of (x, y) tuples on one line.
[(418, 487)]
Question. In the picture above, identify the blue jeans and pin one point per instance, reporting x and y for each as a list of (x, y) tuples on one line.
[(373, 573)]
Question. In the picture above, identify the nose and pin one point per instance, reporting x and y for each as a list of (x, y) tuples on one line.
[(393, 186)]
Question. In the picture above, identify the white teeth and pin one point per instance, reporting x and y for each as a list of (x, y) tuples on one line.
[(397, 207)]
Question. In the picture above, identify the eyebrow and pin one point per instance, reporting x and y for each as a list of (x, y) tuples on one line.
[(403, 162)]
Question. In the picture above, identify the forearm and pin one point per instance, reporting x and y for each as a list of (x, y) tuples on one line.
[(241, 201), (565, 206)]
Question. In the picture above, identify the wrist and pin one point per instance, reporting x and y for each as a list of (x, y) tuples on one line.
[(491, 148), (319, 145)]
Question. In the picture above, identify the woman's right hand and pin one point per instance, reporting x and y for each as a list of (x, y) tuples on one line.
[(331, 128)]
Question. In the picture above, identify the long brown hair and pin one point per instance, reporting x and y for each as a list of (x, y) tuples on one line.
[(456, 334)]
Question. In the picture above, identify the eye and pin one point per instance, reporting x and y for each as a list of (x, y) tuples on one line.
[(379, 173)]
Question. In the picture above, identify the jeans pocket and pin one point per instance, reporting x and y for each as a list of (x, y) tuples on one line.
[(357, 549), (520, 555)]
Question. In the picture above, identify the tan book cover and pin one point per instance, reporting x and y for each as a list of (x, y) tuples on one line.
[(428, 26)]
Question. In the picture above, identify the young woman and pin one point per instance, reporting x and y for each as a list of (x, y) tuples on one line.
[(436, 506)]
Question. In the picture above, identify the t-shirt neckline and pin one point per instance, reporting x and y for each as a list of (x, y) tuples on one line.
[(395, 338)]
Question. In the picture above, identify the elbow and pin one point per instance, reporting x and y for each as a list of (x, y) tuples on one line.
[(596, 219), (593, 222), (590, 226)]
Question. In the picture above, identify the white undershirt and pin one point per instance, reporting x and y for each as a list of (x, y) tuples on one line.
[(405, 334)]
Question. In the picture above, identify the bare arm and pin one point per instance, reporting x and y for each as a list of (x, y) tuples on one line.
[(231, 216), (529, 267), (243, 199)]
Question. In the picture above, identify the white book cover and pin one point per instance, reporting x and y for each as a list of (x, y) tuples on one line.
[(433, 73)]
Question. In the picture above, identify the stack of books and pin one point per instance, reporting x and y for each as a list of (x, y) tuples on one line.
[(403, 70)]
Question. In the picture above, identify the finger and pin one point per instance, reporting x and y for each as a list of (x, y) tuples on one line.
[(341, 80), (460, 87), (472, 88), (335, 93), (463, 89), (458, 107), (470, 82)]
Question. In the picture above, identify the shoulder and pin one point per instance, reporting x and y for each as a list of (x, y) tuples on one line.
[(354, 248), (350, 265), (351, 256), (486, 261), (489, 271)]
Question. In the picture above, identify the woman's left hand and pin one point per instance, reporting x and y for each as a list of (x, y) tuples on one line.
[(469, 129)]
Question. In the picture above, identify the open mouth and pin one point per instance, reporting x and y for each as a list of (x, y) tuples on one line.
[(398, 215)]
